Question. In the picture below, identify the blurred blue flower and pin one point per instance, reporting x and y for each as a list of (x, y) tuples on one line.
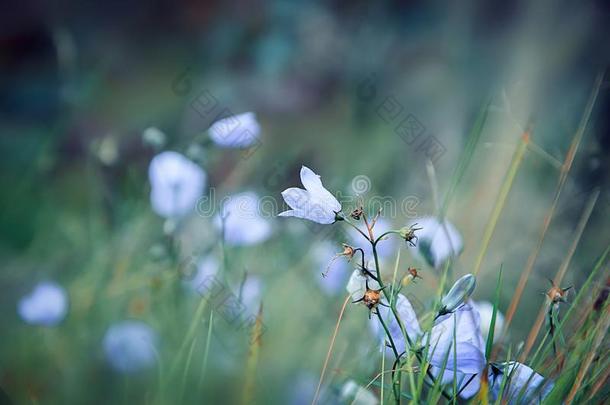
[(336, 277), (385, 248), (176, 184), (130, 346), (485, 310), (408, 318), (436, 241), (243, 222), (46, 305), (237, 131), (315, 203), (522, 381)]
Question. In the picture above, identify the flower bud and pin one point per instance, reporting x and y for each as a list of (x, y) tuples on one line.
[(459, 293)]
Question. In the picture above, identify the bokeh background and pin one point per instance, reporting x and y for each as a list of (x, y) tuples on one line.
[(330, 83)]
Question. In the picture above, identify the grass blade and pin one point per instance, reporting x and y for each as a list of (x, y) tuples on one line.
[(492, 325)]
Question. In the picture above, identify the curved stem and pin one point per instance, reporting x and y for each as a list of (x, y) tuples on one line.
[(376, 241)]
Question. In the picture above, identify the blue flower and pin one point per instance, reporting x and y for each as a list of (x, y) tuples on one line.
[(462, 355), (243, 223), (436, 241), (524, 385), (46, 305), (130, 346), (237, 131), (176, 184)]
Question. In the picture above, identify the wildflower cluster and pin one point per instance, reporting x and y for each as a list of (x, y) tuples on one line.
[(177, 182), (449, 343)]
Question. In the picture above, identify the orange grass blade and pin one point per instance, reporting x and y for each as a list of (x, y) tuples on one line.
[(565, 169), (561, 272), (330, 350), (601, 334)]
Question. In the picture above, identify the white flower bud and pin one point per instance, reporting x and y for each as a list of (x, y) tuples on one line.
[(456, 296)]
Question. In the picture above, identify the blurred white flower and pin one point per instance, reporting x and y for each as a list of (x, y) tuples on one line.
[(469, 348), (519, 376), (485, 310), (130, 346), (154, 137), (206, 269), (251, 291), (337, 276), (46, 305), (354, 394), (237, 131), (176, 184), (315, 203), (304, 388), (436, 242), (243, 223), (459, 292), (408, 318)]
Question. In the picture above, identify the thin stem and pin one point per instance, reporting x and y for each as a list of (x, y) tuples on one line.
[(350, 223), (376, 241)]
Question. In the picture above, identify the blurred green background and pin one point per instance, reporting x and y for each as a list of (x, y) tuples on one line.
[(81, 81)]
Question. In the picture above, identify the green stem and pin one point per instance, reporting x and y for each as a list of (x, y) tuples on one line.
[(385, 234)]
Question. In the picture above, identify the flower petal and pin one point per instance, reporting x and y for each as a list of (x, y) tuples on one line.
[(296, 198), (310, 180), (321, 195), (408, 319), (520, 378)]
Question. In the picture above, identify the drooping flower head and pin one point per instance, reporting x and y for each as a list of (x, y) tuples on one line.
[(523, 385), (242, 221), (130, 346), (462, 355), (469, 345), (46, 305), (314, 203), (357, 284), (237, 131), (437, 241), (176, 184)]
